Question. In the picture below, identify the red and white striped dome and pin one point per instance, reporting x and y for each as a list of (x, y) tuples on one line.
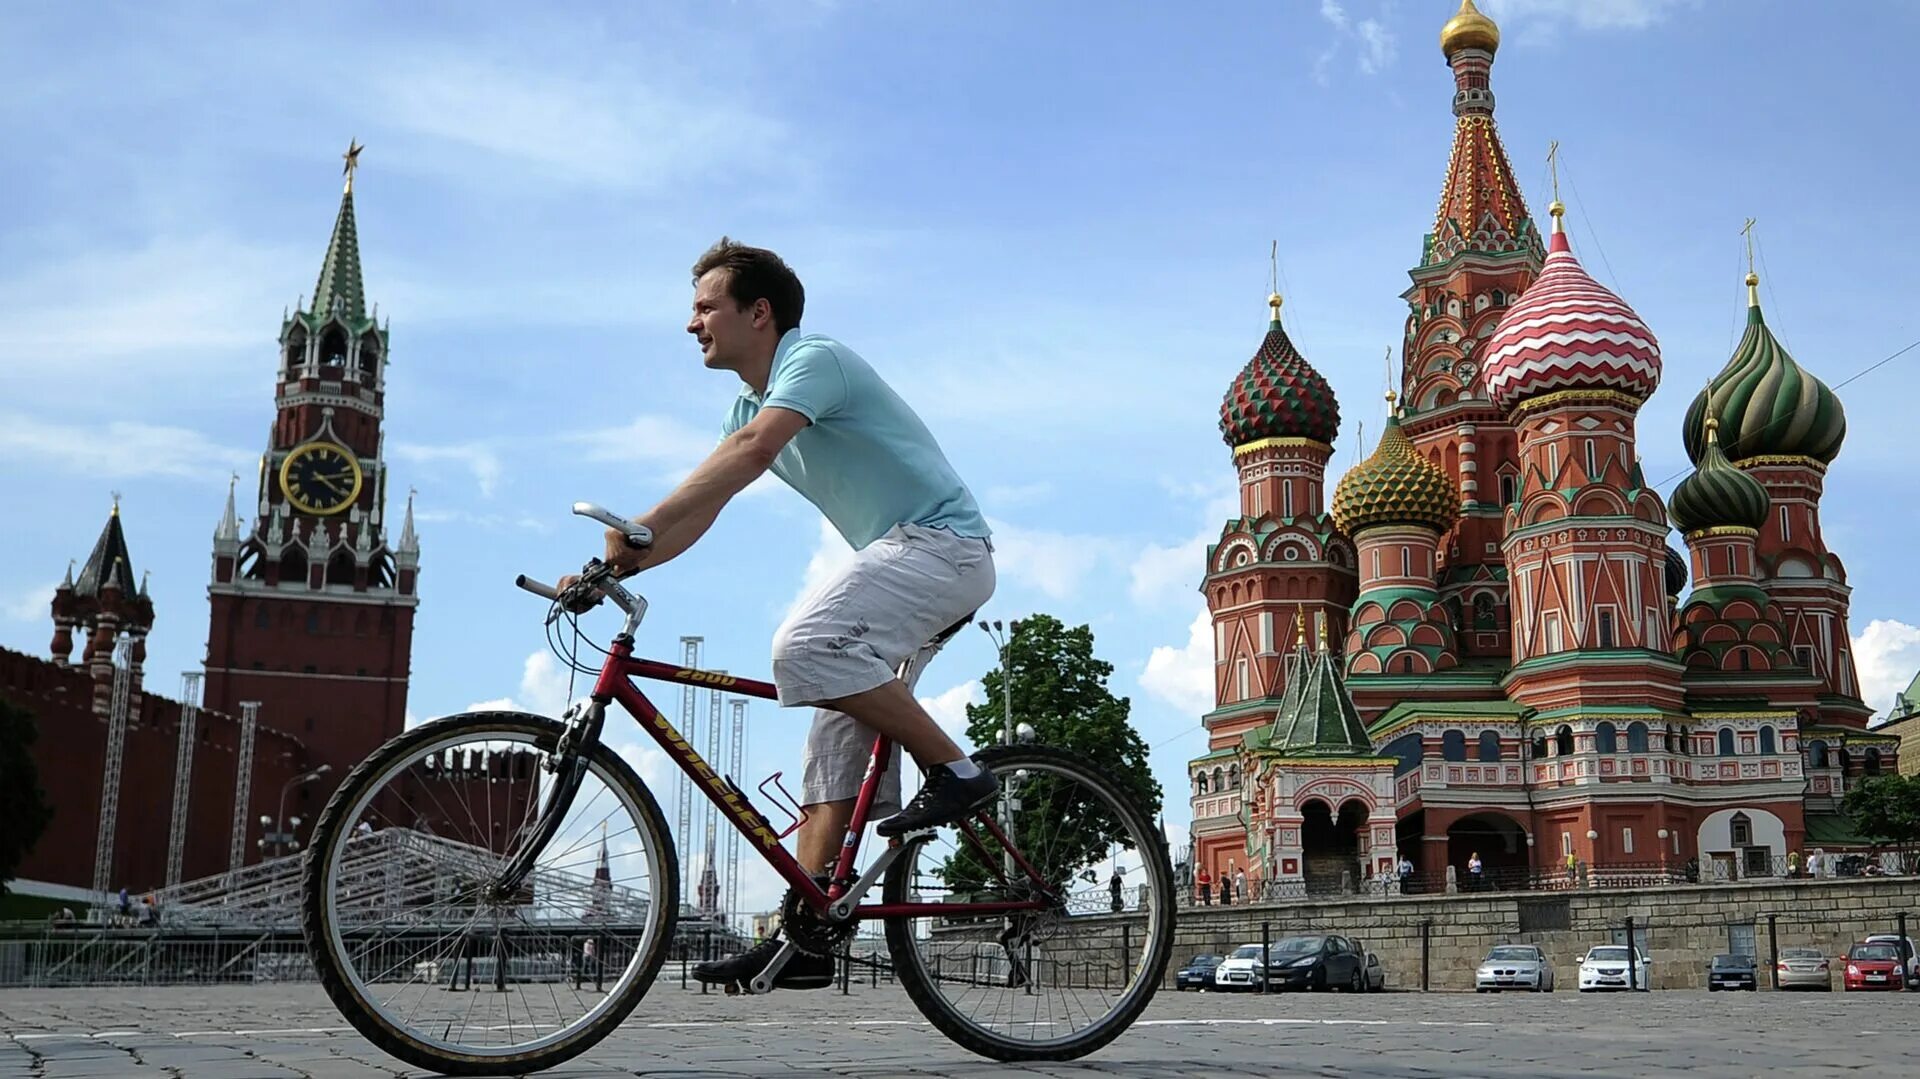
[(1567, 332)]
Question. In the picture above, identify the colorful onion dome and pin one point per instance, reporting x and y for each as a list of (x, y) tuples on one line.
[(1395, 486), (1278, 394), (1568, 332), (1678, 572), (1767, 404), (1468, 29), (1717, 493)]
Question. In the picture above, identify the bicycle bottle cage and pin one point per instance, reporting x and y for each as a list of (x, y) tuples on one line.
[(791, 806)]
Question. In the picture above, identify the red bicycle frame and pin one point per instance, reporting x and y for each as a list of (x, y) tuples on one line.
[(615, 684)]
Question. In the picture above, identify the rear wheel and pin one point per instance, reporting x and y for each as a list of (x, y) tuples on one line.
[(428, 957), (1057, 983)]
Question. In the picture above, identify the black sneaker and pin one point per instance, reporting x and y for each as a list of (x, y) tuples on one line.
[(943, 799), (803, 971)]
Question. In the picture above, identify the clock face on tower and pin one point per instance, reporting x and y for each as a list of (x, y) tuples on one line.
[(320, 478)]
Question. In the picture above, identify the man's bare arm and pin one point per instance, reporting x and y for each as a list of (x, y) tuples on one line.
[(685, 515)]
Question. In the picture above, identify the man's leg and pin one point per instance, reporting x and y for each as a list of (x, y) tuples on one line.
[(818, 841)]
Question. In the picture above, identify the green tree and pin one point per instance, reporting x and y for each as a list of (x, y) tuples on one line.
[(1060, 688), (24, 812), (1886, 810)]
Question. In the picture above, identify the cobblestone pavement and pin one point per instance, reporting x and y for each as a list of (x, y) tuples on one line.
[(286, 1032)]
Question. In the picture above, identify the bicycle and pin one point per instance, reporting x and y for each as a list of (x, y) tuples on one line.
[(452, 918)]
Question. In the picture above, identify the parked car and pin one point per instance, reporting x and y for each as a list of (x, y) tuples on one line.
[(1321, 961), (1514, 966), (1875, 966), (1907, 951), (1243, 970), (1376, 975), (1731, 972), (1197, 974), (1804, 968), (1606, 966)]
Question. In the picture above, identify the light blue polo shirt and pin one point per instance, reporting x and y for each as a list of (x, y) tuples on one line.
[(864, 458)]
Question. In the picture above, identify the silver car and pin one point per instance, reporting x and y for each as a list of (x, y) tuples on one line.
[(1514, 966), (1804, 968)]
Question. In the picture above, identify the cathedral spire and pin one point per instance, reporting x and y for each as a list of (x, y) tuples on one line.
[(1481, 209), (339, 285)]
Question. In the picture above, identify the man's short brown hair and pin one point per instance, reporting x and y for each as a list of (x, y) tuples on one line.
[(755, 273)]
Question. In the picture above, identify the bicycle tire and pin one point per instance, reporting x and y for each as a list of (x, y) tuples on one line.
[(932, 1004), (332, 828)]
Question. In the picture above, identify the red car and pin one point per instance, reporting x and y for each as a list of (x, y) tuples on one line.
[(1874, 966)]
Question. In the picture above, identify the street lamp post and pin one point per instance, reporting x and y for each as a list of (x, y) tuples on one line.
[(998, 633), (279, 829)]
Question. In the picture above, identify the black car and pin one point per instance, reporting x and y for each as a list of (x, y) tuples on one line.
[(1731, 972), (1317, 962), (1197, 974)]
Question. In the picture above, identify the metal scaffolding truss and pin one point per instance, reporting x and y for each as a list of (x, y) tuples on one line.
[(736, 767), (394, 875), (242, 784), (183, 774), (683, 792), (110, 773), (710, 885)]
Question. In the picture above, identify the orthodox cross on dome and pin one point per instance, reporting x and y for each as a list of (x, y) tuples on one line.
[(1556, 208), (352, 158), (116, 504)]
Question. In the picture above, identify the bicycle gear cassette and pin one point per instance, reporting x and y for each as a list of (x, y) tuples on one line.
[(810, 931)]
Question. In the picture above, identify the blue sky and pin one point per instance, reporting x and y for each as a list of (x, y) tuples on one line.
[(1047, 224)]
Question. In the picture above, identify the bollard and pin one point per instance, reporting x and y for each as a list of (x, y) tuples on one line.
[(1426, 953), (1266, 953), (706, 954), (1900, 926), (846, 972), (1773, 947), (1635, 975)]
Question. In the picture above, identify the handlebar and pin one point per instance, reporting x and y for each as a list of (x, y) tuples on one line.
[(596, 580), (544, 591), (639, 536)]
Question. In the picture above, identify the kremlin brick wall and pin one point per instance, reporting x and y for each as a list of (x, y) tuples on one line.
[(70, 753)]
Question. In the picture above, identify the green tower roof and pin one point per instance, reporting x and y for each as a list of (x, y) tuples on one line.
[(1396, 485), (1766, 403), (1717, 493), (1316, 716)]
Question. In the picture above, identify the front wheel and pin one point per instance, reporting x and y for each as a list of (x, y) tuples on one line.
[(422, 948), (1052, 984)]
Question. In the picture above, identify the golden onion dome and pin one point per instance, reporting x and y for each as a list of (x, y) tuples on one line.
[(1468, 29), (1395, 486)]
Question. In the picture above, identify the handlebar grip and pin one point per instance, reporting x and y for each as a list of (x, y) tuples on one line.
[(639, 537), (544, 591)]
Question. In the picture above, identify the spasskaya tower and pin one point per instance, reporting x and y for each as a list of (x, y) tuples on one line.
[(312, 606)]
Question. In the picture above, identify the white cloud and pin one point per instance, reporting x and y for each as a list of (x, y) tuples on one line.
[(1054, 563), (1544, 15), (542, 690), (1183, 676), (188, 296), (118, 449), (30, 605), (949, 709), (1018, 493), (491, 522), (1162, 574), (598, 128), (478, 458), (663, 442), (1374, 44), (1887, 655), (830, 556)]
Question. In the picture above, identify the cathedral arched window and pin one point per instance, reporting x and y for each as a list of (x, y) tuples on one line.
[(1726, 741), (1870, 761), (1484, 616), (1539, 747), (1233, 777), (1817, 753), (1200, 783), (1636, 737), (369, 358), (1563, 741), (1606, 738), (1767, 741), (296, 350), (1219, 780), (1453, 746), (340, 568), (1841, 758), (1489, 745)]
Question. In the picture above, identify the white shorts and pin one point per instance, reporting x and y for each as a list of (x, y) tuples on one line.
[(852, 633)]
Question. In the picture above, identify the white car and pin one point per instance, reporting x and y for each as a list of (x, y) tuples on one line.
[(1243, 970), (1606, 967), (1514, 966)]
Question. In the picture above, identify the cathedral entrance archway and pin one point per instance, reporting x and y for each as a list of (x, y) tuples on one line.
[(1499, 841), (1330, 845)]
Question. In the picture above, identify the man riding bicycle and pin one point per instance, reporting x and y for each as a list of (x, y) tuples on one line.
[(820, 418)]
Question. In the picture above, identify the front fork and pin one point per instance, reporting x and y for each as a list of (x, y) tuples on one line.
[(568, 762)]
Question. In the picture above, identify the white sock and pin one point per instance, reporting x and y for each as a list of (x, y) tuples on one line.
[(964, 768)]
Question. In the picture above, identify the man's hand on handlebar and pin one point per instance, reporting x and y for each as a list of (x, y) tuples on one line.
[(625, 558)]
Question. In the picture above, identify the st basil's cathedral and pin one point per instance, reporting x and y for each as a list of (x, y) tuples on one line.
[(1480, 648)]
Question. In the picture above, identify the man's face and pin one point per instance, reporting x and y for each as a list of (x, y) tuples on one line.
[(724, 329)]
